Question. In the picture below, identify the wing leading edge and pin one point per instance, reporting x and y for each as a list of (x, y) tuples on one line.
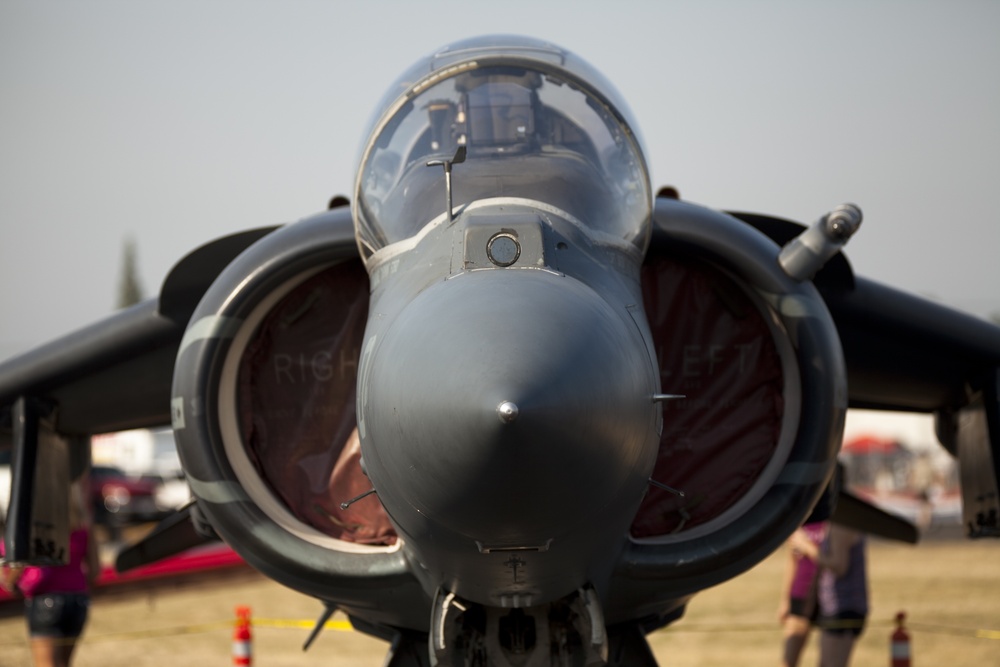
[(116, 374)]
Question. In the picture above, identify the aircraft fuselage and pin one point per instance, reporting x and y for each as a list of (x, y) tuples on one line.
[(505, 400)]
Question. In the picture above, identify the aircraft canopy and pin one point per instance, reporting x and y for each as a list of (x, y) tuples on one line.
[(537, 123)]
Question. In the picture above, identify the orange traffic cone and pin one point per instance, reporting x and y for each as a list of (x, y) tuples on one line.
[(242, 640), (899, 644)]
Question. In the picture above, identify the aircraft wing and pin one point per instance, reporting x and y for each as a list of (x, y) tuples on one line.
[(903, 352), (908, 353), (116, 374)]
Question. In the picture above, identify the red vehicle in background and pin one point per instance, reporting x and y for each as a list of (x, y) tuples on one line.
[(118, 500)]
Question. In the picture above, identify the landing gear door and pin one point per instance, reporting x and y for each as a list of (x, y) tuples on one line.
[(37, 530), (977, 439)]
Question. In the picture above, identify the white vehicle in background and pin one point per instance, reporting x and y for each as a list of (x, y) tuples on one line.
[(172, 490), (4, 486), (149, 456)]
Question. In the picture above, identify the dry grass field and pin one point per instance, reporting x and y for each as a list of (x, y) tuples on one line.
[(949, 589)]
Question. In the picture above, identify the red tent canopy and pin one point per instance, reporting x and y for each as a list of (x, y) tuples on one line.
[(869, 444)]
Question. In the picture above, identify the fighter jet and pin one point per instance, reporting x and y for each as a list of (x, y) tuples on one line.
[(510, 406)]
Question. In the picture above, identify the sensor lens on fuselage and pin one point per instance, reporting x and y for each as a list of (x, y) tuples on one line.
[(503, 249)]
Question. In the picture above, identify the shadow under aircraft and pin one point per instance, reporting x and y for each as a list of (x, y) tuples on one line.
[(506, 405)]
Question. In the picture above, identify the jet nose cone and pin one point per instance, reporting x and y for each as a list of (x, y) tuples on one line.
[(516, 403), (507, 411)]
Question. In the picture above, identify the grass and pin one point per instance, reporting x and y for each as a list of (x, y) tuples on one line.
[(949, 590)]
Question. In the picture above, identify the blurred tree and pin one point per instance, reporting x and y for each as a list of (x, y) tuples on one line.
[(129, 289)]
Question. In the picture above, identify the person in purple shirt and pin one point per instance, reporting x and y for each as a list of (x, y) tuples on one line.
[(797, 607), (842, 591), (57, 598)]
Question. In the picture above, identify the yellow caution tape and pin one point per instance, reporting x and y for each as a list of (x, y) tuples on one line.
[(345, 626), (177, 630), (847, 623), (340, 626)]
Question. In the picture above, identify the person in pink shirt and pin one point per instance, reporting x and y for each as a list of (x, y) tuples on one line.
[(57, 598), (797, 608)]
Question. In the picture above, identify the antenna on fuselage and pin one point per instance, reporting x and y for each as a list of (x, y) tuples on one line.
[(458, 159), (347, 503)]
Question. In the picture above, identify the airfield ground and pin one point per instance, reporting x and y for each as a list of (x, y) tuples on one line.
[(950, 590)]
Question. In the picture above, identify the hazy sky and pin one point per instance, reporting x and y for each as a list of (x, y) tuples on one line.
[(176, 122)]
